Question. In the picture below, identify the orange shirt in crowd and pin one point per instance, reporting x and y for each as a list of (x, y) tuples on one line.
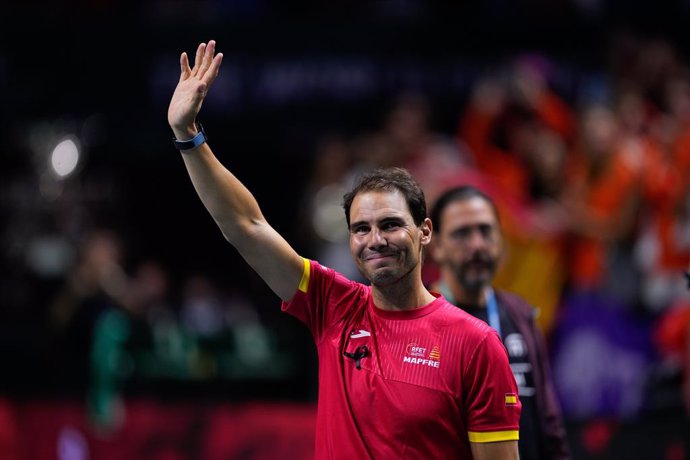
[(666, 185), (604, 203)]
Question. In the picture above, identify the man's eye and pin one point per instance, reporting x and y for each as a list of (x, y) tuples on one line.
[(464, 233)]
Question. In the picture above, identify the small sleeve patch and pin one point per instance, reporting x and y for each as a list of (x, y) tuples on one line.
[(304, 282), (511, 399)]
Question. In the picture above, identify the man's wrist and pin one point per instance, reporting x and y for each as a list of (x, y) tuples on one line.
[(187, 144)]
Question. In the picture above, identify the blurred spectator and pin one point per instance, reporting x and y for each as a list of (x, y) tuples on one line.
[(663, 243), (529, 86), (201, 310), (253, 345), (546, 163), (505, 112), (601, 199), (88, 316), (157, 344), (468, 246), (533, 264), (96, 284), (518, 131), (227, 332)]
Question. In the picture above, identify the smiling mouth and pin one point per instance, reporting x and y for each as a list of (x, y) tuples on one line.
[(378, 256)]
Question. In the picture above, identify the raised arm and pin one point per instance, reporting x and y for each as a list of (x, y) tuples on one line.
[(231, 205)]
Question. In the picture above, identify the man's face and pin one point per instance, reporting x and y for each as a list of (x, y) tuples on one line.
[(469, 242), (385, 243)]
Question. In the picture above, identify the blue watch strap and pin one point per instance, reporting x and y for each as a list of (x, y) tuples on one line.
[(196, 141)]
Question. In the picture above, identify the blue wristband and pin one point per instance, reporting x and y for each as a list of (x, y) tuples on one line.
[(194, 142)]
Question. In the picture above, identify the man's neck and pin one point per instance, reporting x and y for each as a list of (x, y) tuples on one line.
[(397, 297)]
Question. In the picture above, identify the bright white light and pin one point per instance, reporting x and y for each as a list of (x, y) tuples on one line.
[(64, 158)]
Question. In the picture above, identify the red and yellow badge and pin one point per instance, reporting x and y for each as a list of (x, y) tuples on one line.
[(511, 399)]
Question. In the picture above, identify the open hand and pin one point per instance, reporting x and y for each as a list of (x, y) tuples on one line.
[(192, 89)]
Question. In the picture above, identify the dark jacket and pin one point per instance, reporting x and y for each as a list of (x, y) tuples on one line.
[(548, 406)]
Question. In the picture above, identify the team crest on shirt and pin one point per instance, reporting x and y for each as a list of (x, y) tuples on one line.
[(422, 356)]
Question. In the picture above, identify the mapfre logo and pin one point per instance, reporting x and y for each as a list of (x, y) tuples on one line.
[(416, 354)]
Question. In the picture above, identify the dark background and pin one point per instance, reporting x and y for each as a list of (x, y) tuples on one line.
[(106, 70)]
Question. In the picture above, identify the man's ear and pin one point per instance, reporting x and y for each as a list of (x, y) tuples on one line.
[(427, 230)]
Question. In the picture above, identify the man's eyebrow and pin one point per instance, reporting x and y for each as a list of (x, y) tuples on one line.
[(382, 220), (358, 222), (470, 226)]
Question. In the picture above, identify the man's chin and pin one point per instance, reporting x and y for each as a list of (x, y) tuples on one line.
[(476, 283), (382, 277)]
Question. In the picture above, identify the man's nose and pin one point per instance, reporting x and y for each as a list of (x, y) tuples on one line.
[(377, 238), (476, 239)]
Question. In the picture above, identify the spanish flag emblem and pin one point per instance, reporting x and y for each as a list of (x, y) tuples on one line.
[(511, 399)]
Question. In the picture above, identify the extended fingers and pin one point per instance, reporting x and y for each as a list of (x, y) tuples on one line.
[(207, 59), (213, 69), (184, 67), (198, 59), (206, 65)]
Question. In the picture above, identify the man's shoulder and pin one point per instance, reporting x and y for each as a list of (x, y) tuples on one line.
[(515, 302), (457, 317), (334, 287)]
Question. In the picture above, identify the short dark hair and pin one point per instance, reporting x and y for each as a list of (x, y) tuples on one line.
[(458, 193), (388, 180)]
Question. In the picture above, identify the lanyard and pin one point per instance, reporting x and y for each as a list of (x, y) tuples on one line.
[(491, 306), (492, 310)]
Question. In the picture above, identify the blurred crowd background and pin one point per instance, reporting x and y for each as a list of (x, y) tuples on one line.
[(130, 329)]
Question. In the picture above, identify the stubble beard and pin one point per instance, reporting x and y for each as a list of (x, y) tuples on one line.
[(473, 283), (388, 275)]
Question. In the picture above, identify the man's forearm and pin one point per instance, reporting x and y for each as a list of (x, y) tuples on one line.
[(232, 206)]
